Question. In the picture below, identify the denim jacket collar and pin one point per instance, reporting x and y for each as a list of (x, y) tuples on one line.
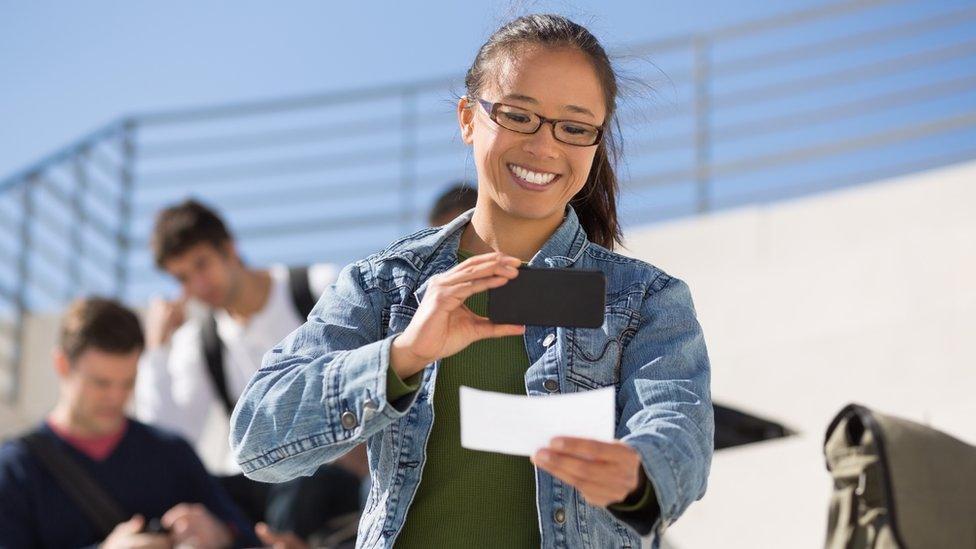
[(563, 248)]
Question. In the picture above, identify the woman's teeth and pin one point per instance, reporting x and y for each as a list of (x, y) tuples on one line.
[(536, 178)]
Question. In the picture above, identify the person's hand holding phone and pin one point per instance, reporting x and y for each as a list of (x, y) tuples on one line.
[(131, 535), (442, 325)]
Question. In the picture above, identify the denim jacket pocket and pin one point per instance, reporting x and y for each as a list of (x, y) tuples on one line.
[(397, 318), (595, 353)]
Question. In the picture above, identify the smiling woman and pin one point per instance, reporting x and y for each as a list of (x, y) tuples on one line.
[(402, 330)]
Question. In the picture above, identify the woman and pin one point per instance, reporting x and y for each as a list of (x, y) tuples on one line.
[(383, 354)]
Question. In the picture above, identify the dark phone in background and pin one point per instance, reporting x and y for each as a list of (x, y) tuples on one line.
[(550, 297)]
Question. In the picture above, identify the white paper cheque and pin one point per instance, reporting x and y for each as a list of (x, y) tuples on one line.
[(520, 425)]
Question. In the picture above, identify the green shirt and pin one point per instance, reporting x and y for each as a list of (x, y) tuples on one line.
[(470, 498)]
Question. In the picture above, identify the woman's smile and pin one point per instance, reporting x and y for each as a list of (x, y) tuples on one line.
[(530, 179)]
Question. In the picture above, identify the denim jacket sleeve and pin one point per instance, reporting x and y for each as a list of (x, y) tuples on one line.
[(665, 402), (322, 390)]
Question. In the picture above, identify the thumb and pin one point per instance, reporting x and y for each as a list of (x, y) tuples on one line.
[(487, 328), (264, 533), (133, 525)]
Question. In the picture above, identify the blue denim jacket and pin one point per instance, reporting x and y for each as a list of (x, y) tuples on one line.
[(322, 390)]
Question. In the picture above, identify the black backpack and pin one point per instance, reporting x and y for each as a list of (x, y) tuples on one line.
[(213, 347)]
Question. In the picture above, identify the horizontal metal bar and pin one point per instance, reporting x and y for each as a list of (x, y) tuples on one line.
[(61, 155), (832, 45), (747, 165), (52, 257), (659, 179), (272, 138), (846, 76), (305, 194), (100, 191), (54, 191), (859, 107), (795, 18), (96, 258), (102, 228), (47, 285), (347, 222), (274, 106), (844, 146), (96, 158), (287, 166), (820, 184), (775, 22)]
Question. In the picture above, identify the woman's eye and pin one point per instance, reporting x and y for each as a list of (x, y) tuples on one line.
[(516, 117), (576, 130)]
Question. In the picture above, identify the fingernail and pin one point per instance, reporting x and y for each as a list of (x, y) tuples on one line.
[(558, 444)]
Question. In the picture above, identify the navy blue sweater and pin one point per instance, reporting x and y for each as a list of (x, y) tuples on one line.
[(148, 473)]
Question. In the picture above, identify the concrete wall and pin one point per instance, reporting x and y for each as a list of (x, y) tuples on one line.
[(865, 295)]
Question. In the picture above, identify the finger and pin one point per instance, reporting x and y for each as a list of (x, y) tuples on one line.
[(173, 514), (481, 270), (594, 449), (182, 528), (491, 256), (597, 492), (573, 465), (149, 541), (264, 533), (487, 328), (132, 526), (464, 290)]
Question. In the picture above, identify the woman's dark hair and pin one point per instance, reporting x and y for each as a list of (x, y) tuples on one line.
[(596, 203)]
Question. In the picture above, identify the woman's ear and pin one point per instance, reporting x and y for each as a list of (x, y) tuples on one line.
[(465, 113)]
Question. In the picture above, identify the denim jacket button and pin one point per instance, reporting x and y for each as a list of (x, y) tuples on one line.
[(548, 340), (551, 385), (349, 420), (559, 516)]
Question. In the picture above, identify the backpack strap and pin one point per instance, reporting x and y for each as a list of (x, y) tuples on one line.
[(213, 353), (101, 509), (213, 347), (301, 291)]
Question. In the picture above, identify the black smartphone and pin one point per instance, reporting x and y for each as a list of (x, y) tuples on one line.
[(550, 297), (154, 526)]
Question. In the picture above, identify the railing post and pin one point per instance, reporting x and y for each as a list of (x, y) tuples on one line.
[(703, 144), (79, 168), (408, 157), (126, 171), (22, 288)]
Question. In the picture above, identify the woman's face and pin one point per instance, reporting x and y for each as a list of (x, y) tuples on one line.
[(534, 176)]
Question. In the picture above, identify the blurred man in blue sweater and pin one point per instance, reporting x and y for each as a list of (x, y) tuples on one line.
[(149, 487)]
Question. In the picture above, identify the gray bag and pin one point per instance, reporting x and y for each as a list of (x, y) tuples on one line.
[(898, 484)]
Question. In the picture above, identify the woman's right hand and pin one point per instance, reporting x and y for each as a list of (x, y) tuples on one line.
[(443, 325)]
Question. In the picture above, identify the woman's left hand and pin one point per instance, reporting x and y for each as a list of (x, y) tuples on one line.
[(604, 472)]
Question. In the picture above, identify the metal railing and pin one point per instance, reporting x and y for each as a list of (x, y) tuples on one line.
[(813, 100)]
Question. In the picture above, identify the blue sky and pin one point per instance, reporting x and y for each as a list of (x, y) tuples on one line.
[(69, 67)]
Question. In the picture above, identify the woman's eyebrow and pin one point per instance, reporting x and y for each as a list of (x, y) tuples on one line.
[(534, 101)]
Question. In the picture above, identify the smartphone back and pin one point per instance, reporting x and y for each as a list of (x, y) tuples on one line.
[(550, 297)]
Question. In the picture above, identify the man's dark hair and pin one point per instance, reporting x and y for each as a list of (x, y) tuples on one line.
[(102, 324), (182, 226), (460, 197)]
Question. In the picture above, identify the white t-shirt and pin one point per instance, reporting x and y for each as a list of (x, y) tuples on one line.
[(174, 390)]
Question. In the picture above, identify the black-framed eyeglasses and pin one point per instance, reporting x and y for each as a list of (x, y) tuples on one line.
[(517, 119)]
